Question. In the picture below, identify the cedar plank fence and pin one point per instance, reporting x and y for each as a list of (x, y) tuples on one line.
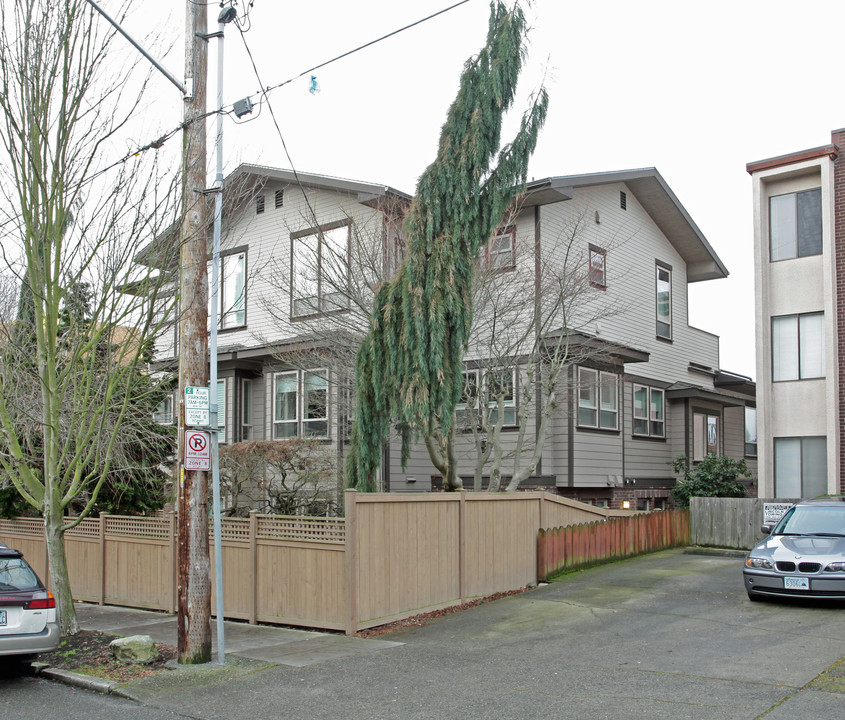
[(729, 522), (391, 557), (577, 546)]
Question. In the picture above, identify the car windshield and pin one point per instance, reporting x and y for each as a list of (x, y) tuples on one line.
[(15, 574), (809, 520)]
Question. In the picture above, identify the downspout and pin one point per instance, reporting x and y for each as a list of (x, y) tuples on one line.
[(538, 369)]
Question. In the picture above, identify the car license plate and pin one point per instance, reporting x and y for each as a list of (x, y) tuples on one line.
[(796, 583), (2, 617)]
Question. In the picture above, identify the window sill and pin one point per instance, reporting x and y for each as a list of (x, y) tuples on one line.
[(318, 315), (649, 438), (597, 430), (664, 339)]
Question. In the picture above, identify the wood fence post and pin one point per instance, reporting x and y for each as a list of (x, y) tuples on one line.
[(174, 561), (253, 556), (351, 562), (102, 598), (462, 545)]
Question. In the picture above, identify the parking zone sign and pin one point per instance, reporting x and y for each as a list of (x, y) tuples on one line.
[(197, 450)]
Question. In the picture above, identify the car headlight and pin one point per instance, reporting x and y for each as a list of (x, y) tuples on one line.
[(754, 562), (835, 567)]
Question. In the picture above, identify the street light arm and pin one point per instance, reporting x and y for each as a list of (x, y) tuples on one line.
[(138, 47)]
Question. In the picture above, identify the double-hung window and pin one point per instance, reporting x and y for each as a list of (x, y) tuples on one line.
[(663, 300), (320, 269), (598, 399), (163, 413), (231, 292), (300, 404), (798, 346), (649, 417), (795, 225)]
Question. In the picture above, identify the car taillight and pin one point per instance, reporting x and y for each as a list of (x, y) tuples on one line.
[(42, 603)]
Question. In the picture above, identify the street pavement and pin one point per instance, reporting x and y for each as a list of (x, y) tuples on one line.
[(666, 635)]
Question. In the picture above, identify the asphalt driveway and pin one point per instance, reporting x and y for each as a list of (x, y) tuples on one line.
[(667, 635)]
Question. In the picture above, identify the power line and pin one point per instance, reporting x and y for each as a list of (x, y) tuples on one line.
[(157, 143)]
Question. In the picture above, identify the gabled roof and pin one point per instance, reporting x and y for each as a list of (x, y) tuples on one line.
[(658, 200), (365, 191)]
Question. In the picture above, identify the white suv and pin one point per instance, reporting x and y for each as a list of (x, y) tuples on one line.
[(27, 609)]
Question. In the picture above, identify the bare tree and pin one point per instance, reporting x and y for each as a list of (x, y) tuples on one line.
[(69, 380)]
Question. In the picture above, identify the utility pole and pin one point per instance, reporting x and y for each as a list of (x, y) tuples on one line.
[(194, 575)]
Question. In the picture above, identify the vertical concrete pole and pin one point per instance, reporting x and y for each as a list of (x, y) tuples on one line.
[(194, 571)]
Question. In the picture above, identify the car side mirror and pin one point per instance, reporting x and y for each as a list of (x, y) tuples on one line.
[(766, 529)]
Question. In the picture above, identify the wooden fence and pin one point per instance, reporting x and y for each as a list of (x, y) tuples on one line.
[(568, 548), (391, 557), (729, 522)]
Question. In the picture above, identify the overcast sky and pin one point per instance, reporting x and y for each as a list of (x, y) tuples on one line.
[(695, 90)]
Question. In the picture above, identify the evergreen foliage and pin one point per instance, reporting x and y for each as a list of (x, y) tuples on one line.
[(714, 476), (409, 365)]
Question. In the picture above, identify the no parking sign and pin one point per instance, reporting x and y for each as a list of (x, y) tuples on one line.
[(197, 450)]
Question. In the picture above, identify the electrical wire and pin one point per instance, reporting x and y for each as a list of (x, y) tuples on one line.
[(263, 94)]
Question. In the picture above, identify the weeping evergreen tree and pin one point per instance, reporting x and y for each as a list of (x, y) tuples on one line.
[(409, 366)]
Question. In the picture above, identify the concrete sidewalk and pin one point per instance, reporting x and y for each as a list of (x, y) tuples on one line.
[(274, 645)]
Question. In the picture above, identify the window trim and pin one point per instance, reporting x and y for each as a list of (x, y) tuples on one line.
[(597, 385), (747, 444), (648, 433), (247, 425), (300, 422), (509, 232), (318, 232), (708, 415), (801, 439), (593, 251), (822, 349), (795, 195), (665, 267), (481, 375)]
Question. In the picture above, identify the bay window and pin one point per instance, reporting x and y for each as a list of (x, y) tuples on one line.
[(300, 404), (598, 403)]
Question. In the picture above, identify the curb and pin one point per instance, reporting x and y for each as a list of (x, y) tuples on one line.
[(720, 552), (86, 682)]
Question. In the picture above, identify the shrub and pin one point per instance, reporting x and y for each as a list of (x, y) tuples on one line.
[(715, 476)]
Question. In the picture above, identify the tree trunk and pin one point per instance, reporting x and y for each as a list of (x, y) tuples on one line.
[(59, 580)]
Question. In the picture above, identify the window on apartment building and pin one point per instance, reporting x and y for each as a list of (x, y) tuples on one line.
[(231, 294), (300, 404), (598, 399), (279, 198), (597, 269), (490, 389), (246, 409), (259, 204), (800, 466), (649, 416), (795, 224), (320, 270), (751, 432), (798, 346), (501, 249), (663, 300), (705, 435)]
